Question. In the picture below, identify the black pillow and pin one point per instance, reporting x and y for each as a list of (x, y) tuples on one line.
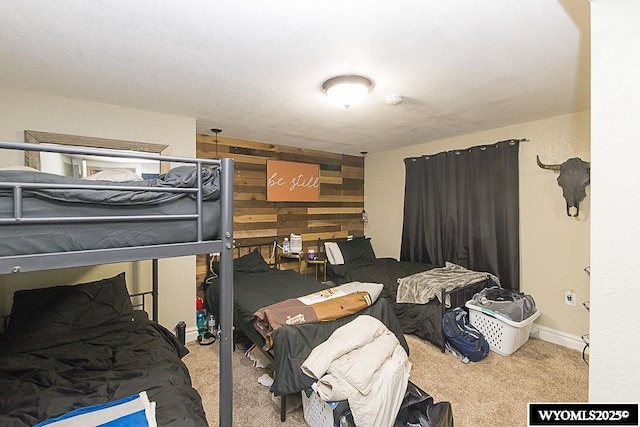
[(68, 308), (253, 262), (357, 250)]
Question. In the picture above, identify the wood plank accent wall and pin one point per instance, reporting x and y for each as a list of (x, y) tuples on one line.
[(257, 221)]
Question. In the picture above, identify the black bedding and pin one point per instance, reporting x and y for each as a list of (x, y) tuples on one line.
[(422, 320), (379, 270), (56, 360), (26, 237), (292, 344)]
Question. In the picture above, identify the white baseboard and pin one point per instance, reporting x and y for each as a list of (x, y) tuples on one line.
[(191, 334), (558, 337)]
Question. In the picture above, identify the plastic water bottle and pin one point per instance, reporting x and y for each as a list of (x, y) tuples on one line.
[(200, 320), (211, 324), (285, 245), (201, 323)]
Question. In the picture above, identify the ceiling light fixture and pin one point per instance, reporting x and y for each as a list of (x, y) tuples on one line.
[(347, 91)]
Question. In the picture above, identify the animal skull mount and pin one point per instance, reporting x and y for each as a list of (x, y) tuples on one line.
[(575, 175)]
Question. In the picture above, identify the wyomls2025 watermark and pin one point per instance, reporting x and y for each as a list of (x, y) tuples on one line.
[(583, 414)]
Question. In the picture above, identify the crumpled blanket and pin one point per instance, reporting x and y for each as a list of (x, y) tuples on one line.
[(364, 363), (186, 176), (422, 287)]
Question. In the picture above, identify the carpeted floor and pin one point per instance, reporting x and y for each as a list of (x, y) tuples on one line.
[(492, 392)]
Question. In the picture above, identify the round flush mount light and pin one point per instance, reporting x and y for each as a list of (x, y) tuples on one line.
[(347, 90)]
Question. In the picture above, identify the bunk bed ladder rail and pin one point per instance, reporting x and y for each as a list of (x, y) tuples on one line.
[(225, 407)]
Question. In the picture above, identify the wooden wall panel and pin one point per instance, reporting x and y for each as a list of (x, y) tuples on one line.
[(257, 221)]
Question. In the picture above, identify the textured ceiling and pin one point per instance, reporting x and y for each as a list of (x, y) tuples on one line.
[(255, 68)]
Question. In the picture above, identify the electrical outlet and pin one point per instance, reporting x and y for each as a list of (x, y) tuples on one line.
[(570, 297)]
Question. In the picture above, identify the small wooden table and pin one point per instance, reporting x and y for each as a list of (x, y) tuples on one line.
[(319, 263), (291, 257)]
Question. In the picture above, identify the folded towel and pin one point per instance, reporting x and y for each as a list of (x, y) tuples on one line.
[(135, 410)]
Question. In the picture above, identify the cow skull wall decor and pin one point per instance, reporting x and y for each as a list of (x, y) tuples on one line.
[(575, 175)]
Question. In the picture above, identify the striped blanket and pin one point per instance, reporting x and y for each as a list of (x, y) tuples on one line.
[(135, 410), (328, 304)]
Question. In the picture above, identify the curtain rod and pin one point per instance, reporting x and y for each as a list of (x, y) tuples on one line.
[(482, 147), (513, 140)]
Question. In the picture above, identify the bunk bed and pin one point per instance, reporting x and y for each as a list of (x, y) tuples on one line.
[(360, 263), (49, 222), (71, 347), (258, 284)]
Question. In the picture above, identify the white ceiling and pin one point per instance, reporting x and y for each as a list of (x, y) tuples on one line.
[(255, 68)]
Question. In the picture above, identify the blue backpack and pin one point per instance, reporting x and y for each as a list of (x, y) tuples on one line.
[(462, 339)]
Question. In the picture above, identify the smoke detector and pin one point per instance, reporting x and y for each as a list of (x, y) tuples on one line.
[(393, 99)]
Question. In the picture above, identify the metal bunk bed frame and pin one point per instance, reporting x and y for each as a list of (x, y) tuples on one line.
[(223, 245)]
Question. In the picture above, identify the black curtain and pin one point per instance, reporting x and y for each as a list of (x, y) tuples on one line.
[(462, 206)]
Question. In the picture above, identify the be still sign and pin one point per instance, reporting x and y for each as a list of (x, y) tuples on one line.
[(292, 182)]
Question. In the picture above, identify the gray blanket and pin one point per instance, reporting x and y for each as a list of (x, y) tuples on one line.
[(422, 287), (179, 177)]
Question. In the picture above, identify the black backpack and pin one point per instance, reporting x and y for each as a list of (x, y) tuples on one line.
[(417, 408), (462, 338)]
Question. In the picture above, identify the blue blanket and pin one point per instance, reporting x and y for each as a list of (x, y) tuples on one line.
[(132, 411)]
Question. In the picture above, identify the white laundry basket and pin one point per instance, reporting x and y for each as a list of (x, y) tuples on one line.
[(503, 335), (317, 412)]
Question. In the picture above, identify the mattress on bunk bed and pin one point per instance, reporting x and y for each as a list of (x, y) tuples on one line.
[(32, 238), (259, 286), (63, 352)]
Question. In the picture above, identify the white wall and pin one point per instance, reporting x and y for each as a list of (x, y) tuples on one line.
[(554, 249), (22, 111), (614, 375)]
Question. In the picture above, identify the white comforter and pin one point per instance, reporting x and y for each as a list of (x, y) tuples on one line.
[(364, 363)]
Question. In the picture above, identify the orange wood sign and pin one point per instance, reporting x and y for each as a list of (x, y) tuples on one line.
[(292, 182)]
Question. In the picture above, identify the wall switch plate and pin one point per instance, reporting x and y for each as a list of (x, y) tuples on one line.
[(570, 297)]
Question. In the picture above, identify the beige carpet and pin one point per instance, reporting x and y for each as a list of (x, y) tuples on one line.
[(492, 392)]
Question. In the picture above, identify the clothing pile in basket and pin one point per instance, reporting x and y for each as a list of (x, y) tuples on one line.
[(510, 304), (364, 363)]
